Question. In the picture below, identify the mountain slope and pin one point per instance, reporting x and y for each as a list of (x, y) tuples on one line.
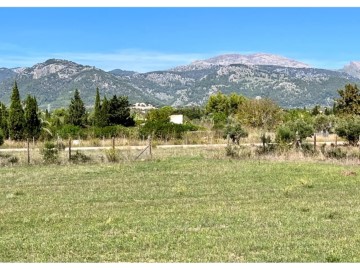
[(353, 68), (257, 59), (54, 81), (6, 73), (290, 87)]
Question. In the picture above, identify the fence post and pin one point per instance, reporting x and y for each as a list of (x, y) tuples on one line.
[(113, 143), (335, 140), (150, 150), (28, 151), (69, 149), (314, 141)]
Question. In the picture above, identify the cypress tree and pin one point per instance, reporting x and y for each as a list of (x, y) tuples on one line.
[(4, 114), (97, 109), (33, 123), (16, 120), (77, 112), (1, 137), (104, 113)]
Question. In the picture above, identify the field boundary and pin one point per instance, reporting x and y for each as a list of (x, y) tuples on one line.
[(139, 147)]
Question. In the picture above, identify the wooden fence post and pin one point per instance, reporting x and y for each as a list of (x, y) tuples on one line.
[(28, 151), (314, 141), (335, 140), (150, 150), (69, 149), (113, 143)]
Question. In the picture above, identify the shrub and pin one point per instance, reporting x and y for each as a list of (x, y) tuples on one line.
[(191, 112), (308, 149), (285, 135), (231, 151), (71, 131), (323, 123), (235, 132), (219, 119), (349, 128), (50, 152), (108, 131), (4, 155), (112, 155), (259, 113), (13, 160), (238, 152), (165, 130), (79, 158), (354, 154), (95, 142), (60, 146), (294, 131), (267, 149), (333, 152)]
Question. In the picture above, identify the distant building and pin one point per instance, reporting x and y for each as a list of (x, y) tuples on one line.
[(177, 118), (141, 107)]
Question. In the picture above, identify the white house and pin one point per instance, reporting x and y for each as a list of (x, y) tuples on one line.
[(177, 118)]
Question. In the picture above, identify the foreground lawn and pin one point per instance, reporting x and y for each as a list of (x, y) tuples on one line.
[(180, 209)]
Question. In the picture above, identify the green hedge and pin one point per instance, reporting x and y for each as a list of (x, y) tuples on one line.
[(165, 130)]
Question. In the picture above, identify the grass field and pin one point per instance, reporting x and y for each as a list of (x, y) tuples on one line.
[(181, 209)]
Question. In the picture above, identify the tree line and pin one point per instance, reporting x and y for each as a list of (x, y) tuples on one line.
[(23, 119), (234, 113), (230, 115)]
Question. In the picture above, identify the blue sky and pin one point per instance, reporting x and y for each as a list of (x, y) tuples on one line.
[(145, 39)]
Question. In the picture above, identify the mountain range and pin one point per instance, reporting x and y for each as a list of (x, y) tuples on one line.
[(288, 82)]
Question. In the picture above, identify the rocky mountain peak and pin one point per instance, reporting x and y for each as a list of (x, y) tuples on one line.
[(353, 68), (253, 59), (58, 67)]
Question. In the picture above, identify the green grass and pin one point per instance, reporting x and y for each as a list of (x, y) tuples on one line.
[(180, 209)]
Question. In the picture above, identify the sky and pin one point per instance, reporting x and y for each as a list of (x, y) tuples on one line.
[(152, 38)]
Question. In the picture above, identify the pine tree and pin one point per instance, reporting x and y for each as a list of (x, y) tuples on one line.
[(97, 109), (16, 120), (349, 101), (33, 123), (126, 118), (77, 112), (113, 111), (119, 113)]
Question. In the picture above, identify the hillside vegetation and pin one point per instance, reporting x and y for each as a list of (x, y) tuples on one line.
[(287, 82)]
